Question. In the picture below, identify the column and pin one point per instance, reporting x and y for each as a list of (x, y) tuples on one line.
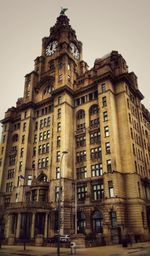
[(46, 225), (33, 226), (18, 225), (8, 226)]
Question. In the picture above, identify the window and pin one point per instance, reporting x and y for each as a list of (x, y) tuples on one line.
[(81, 173), (47, 147), (81, 222), (56, 194), (58, 127), (48, 121), (80, 127), (80, 141), (12, 160), (97, 191), (43, 163), (40, 149), (93, 109), (59, 113), (29, 180), (41, 123), (39, 163), (40, 136), (110, 188), (20, 166), (105, 116), (95, 137), (46, 161), (59, 100), (48, 134), (80, 114), (23, 139), (9, 187), (96, 170), (21, 152), (94, 122), (103, 87), (107, 147), (44, 135), (81, 191), (113, 219), (104, 101), (33, 164), (35, 138), (106, 131), (58, 141), (34, 151), (97, 222), (81, 156), (10, 174), (109, 166), (95, 153), (58, 173), (24, 127), (36, 126), (58, 156)]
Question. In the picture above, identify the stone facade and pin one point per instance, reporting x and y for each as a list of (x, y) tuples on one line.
[(87, 127)]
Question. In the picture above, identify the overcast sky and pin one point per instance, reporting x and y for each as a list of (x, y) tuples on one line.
[(101, 25)]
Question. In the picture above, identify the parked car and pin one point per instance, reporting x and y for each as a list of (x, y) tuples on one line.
[(64, 238)]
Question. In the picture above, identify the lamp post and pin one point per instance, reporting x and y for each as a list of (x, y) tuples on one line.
[(59, 204)]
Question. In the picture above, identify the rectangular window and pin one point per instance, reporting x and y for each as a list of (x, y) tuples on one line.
[(58, 141), (36, 126), (44, 135), (113, 219), (58, 127), (39, 164), (9, 187), (47, 147), (56, 194), (107, 147), (95, 137), (94, 123), (81, 191), (98, 191), (106, 131), (103, 87), (41, 123), (110, 188), (45, 122), (109, 166), (80, 141), (48, 134), (23, 139), (10, 174), (24, 127), (48, 121), (59, 113), (96, 170), (81, 156), (34, 151), (104, 101), (33, 164), (105, 116), (81, 173), (35, 138), (59, 100), (96, 153), (40, 136), (58, 173), (20, 166), (29, 180), (58, 156), (12, 160)]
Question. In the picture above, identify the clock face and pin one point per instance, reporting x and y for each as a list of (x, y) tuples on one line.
[(51, 48), (74, 50)]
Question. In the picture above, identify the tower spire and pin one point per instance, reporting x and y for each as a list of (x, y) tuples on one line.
[(63, 10)]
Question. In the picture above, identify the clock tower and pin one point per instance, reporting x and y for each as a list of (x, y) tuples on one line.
[(61, 54)]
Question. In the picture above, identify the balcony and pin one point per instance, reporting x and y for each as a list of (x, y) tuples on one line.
[(29, 205)]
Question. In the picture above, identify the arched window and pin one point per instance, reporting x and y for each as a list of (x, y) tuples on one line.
[(80, 222), (80, 114), (93, 109), (15, 138), (42, 178), (97, 222)]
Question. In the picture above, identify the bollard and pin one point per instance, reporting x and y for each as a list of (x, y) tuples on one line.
[(73, 248)]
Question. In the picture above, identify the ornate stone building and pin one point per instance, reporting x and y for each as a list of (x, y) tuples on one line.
[(96, 116)]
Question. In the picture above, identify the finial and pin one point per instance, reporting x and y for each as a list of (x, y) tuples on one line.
[(63, 10)]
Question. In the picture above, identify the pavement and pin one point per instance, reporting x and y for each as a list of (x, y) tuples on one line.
[(137, 249)]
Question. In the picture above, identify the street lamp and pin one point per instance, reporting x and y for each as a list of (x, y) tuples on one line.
[(59, 204)]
